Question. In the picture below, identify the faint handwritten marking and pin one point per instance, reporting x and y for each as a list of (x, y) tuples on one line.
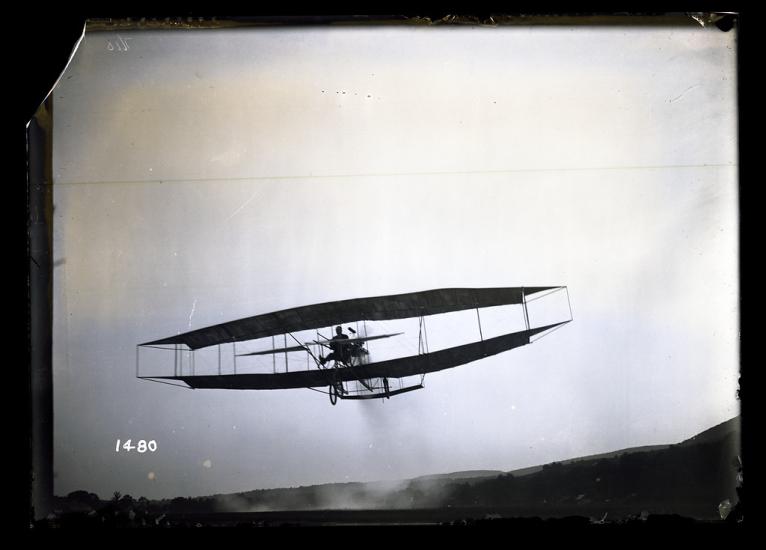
[(118, 44), (683, 93)]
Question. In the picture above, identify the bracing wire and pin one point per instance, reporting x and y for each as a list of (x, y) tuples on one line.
[(547, 293), (547, 332), (149, 379)]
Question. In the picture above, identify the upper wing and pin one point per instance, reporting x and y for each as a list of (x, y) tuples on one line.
[(398, 306)]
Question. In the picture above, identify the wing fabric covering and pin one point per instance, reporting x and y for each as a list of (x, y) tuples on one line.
[(393, 368), (380, 308)]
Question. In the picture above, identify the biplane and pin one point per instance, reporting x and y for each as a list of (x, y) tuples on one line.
[(341, 365)]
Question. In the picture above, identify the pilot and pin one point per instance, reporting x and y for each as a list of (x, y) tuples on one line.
[(340, 352)]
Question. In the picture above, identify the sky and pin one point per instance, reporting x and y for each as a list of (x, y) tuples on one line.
[(203, 176)]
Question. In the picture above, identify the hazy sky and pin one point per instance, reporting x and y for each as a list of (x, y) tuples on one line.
[(204, 176)]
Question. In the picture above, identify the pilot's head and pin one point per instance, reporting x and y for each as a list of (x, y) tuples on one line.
[(338, 330)]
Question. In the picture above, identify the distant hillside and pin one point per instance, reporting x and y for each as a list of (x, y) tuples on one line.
[(534, 469), (689, 478), (469, 474), (715, 433), (475, 475)]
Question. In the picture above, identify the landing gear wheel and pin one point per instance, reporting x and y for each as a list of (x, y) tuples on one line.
[(333, 394)]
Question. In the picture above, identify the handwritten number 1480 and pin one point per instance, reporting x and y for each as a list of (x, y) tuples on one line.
[(141, 447)]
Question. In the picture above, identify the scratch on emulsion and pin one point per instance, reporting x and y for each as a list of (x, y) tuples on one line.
[(238, 210), (194, 306)]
